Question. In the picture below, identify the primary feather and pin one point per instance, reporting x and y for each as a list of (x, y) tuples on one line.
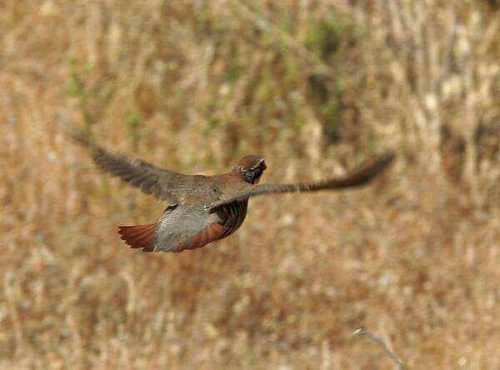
[(358, 177)]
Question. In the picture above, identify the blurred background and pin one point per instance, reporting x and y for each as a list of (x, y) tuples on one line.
[(315, 87)]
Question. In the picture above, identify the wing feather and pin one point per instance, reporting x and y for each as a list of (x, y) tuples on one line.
[(358, 177), (162, 183)]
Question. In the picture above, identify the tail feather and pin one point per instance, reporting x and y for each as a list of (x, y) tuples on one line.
[(139, 236)]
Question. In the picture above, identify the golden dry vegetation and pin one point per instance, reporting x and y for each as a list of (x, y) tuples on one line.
[(314, 87)]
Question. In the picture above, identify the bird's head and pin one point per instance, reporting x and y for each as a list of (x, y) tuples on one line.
[(250, 168)]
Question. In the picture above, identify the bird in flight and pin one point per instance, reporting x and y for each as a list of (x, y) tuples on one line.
[(203, 209)]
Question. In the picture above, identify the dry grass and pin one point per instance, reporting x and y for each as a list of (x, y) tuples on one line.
[(313, 86)]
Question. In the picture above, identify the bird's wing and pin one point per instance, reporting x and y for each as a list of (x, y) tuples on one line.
[(163, 184), (358, 177)]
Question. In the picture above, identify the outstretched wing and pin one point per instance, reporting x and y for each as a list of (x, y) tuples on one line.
[(358, 177), (163, 184)]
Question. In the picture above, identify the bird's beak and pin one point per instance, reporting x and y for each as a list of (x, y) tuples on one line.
[(261, 164)]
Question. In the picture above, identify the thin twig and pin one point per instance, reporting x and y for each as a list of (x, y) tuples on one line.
[(379, 341)]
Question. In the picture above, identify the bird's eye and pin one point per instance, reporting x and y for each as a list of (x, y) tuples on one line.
[(249, 176)]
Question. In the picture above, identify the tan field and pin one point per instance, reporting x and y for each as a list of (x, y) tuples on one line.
[(315, 87)]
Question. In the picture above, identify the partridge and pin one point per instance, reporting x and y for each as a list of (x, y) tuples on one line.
[(203, 209)]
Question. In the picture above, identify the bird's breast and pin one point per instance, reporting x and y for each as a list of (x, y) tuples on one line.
[(232, 216)]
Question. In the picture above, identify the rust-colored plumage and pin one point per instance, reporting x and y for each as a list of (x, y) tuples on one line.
[(209, 234), (204, 209), (139, 236)]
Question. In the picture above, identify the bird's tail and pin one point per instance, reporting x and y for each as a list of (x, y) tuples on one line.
[(139, 236)]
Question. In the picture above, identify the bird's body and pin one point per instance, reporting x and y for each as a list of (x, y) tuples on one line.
[(203, 209), (187, 224)]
